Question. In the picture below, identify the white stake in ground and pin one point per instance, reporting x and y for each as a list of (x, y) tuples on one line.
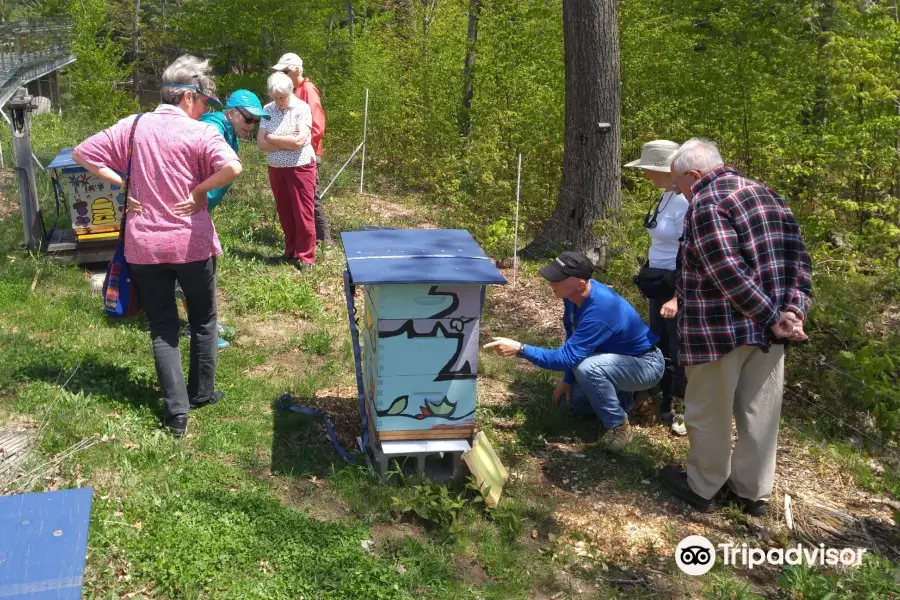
[(516, 232), (362, 167)]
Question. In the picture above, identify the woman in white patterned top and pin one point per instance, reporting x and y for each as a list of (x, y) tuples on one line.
[(285, 136)]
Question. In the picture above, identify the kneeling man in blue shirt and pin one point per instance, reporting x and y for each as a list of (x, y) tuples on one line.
[(609, 353)]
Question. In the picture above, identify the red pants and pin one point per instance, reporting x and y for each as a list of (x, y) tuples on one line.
[(294, 189)]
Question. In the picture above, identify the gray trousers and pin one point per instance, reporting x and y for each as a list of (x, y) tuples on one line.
[(323, 231), (746, 384), (157, 286)]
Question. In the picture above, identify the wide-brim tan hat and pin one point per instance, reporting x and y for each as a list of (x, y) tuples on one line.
[(655, 156), (288, 60)]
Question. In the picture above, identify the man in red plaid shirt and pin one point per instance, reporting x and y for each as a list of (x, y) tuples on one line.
[(744, 290)]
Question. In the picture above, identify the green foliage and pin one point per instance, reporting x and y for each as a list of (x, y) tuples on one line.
[(317, 342), (878, 366), (432, 503), (256, 288), (99, 70), (875, 579)]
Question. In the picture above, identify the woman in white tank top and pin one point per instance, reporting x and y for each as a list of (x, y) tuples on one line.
[(665, 224)]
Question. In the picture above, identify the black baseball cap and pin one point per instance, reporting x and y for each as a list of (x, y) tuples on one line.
[(568, 264)]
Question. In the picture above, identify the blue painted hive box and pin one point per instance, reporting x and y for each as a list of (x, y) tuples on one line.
[(424, 293), (95, 207)]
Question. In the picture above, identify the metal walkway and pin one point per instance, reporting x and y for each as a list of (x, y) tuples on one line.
[(30, 50)]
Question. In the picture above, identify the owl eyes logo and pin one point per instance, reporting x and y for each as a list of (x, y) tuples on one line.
[(695, 555)]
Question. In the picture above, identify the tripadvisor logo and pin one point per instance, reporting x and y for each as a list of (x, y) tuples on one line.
[(696, 555)]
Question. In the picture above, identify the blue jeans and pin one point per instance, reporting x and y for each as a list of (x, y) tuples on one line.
[(605, 384)]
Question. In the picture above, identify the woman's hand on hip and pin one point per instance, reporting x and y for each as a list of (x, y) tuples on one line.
[(134, 206), (669, 309), (194, 203)]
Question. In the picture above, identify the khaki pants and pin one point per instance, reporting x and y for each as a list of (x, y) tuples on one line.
[(746, 383)]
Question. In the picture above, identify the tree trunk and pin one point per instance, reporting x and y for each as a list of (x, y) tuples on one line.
[(328, 50), (820, 105), (590, 188), (136, 74), (465, 111), (349, 6)]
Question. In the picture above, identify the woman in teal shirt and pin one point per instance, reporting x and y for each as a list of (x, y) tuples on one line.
[(242, 112)]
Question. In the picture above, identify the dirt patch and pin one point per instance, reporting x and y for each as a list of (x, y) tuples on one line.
[(316, 498), (468, 570), (269, 333), (890, 321), (7, 205), (529, 307), (341, 404), (291, 361), (385, 533), (378, 210)]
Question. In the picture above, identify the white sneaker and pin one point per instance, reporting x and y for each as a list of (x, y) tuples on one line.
[(678, 427)]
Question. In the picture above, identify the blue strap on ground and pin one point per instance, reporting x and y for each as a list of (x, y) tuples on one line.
[(357, 358), (285, 400)]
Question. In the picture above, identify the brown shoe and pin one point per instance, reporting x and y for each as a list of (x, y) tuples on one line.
[(644, 410), (617, 438)]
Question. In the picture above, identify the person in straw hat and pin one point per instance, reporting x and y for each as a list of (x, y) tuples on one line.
[(664, 223)]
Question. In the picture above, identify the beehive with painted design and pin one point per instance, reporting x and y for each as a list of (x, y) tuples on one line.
[(94, 206), (423, 299)]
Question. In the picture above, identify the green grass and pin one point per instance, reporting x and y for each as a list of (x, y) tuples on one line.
[(254, 502)]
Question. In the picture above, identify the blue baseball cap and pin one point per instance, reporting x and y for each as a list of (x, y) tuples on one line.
[(248, 101)]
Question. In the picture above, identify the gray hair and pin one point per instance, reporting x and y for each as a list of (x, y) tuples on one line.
[(186, 70), (696, 154), (279, 83)]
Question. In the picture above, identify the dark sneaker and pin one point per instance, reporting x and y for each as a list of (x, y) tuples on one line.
[(676, 480), (277, 260), (177, 425), (201, 402), (754, 508)]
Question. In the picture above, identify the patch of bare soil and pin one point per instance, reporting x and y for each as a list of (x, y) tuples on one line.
[(386, 533), (530, 306), (378, 210), (341, 404), (890, 321), (269, 333), (292, 361), (316, 498), (468, 570)]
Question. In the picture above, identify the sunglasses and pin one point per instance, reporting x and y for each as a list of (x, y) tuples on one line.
[(248, 119), (210, 95)]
